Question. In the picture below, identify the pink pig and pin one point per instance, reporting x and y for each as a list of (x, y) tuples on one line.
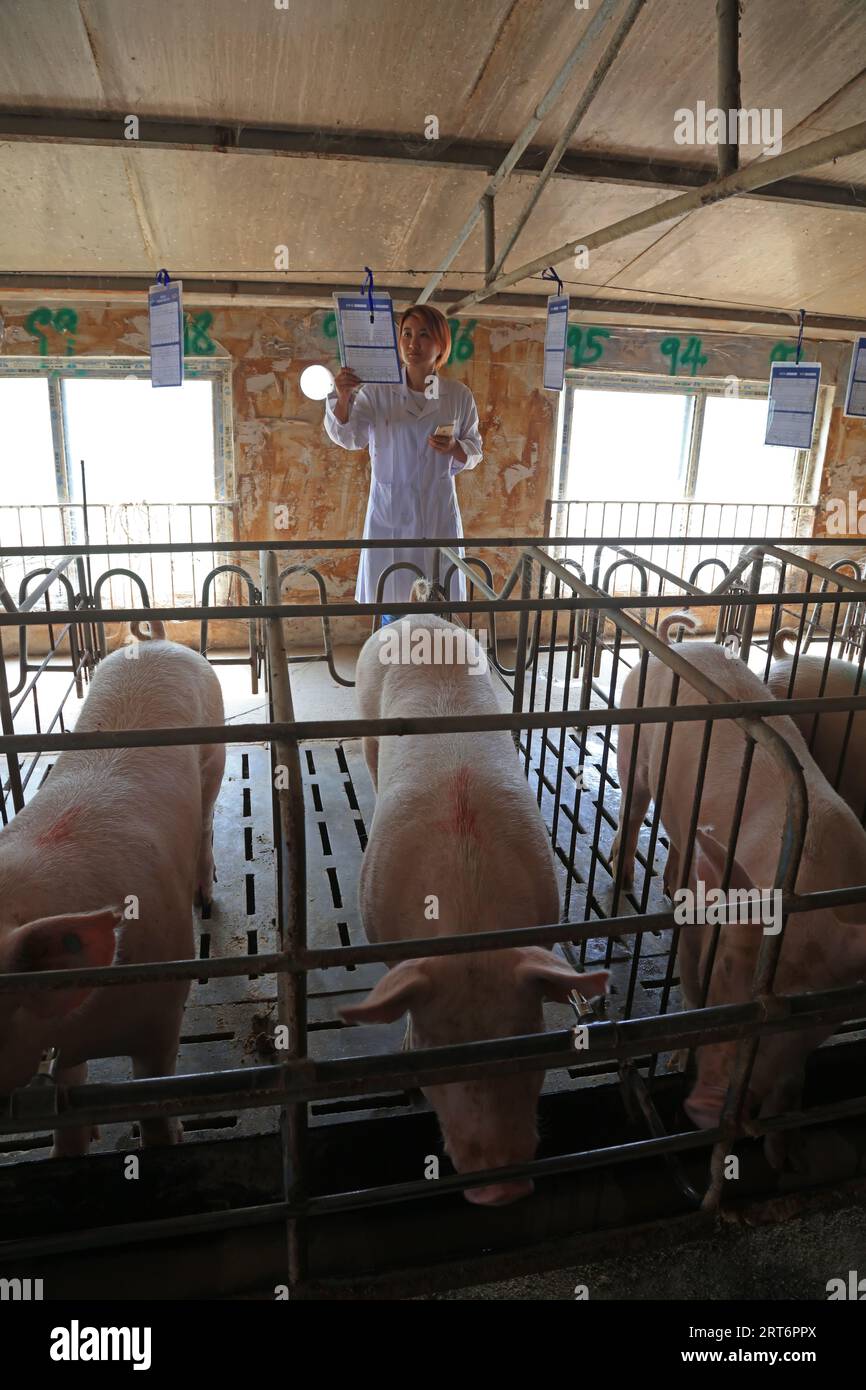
[(822, 949), (116, 841), (831, 729), (458, 845)]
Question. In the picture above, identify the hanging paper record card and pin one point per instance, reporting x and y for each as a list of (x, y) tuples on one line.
[(165, 309), (791, 404)]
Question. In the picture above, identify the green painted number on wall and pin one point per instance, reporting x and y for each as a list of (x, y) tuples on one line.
[(588, 349), (197, 342), (691, 357), (782, 352), (462, 346), (329, 325), (61, 320)]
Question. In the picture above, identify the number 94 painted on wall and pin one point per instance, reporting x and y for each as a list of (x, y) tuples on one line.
[(691, 357)]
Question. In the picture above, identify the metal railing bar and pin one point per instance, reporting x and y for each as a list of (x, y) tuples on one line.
[(411, 542), (162, 1228), (303, 1080), (338, 957), (813, 567), (309, 730), (292, 902), (200, 1223), (351, 609)]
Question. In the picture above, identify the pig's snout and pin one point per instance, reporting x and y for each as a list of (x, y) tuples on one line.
[(704, 1105), (500, 1194)]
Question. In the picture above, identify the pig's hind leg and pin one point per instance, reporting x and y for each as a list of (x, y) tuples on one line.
[(74, 1141), (371, 755), (161, 1129), (212, 767), (624, 847), (155, 1056)]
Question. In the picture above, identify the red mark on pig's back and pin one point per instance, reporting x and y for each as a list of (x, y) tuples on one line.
[(63, 828), (460, 818)]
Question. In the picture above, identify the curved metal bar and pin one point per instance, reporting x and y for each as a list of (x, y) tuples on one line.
[(815, 623), (462, 563), (660, 570), (583, 645), (23, 662), (97, 600), (636, 564), (459, 562), (493, 648), (711, 560), (837, 565), (853, 619), (575, 564), (326, 622), (389, 570), (762, 558), (851, 637), (645, 567), (827, 575), (256, 648), (470, 560)]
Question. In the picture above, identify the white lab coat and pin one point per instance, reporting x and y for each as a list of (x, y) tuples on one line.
[(412, 491)]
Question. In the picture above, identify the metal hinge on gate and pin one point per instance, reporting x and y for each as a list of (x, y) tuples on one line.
[(583, 1010), (41, 1096)]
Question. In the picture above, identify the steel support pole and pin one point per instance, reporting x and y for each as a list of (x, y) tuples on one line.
[(291, 856), (728, 58), (8, 728), (490, 264)]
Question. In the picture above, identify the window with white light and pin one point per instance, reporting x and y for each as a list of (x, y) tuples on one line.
[(664, 458), (140, 444), (154, 465), (655, 441)]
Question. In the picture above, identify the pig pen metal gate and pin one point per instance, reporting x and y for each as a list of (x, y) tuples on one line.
[(249, 1194)]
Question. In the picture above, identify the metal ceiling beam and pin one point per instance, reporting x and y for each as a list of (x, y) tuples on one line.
[(587, 97), (670, 311), (542, 111), (845, 142), (489, 238), (483, 156), (728, 86)]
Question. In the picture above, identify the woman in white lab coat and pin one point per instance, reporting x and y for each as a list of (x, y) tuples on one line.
[(412, 491)]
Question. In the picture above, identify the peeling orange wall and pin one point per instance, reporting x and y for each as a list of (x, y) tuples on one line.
[(844, 471), (283, 459)]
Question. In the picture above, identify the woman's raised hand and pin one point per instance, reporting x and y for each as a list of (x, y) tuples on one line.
[(346, 382)]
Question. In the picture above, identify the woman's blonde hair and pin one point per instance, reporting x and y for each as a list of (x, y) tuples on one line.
[(436, 325)]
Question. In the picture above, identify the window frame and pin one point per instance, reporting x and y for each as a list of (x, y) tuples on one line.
[(58, 369), (807, 463)]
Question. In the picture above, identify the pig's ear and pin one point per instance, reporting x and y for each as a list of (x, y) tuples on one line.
[(399, 990), (81, 939), (555, 978), (708, 864)]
